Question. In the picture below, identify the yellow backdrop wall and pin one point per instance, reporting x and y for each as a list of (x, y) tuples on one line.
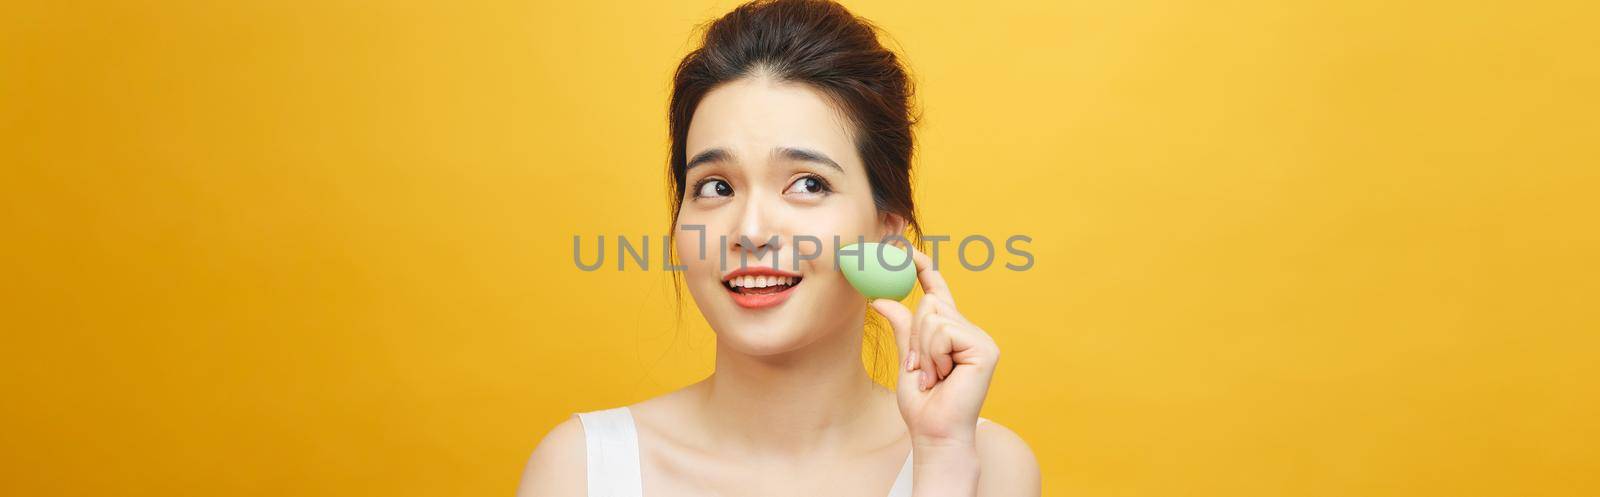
[(324, 248)]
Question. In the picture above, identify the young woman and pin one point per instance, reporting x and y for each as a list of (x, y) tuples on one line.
[(791, 121)]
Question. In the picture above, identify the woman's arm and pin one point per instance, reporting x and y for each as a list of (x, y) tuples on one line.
[(948, 363)]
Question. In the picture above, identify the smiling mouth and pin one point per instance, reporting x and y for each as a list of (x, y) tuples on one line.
[(760, 285)]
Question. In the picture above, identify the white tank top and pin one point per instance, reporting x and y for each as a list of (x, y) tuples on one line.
[(613, 455)]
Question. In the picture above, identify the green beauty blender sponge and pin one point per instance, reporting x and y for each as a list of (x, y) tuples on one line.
[(890, 276)]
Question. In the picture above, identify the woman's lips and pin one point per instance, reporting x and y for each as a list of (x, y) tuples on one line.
[(761, 300), (758, 289)]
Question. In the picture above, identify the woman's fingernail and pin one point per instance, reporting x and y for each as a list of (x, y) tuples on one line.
[(927, 382)]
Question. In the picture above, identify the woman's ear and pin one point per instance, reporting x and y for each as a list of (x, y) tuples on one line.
[(891, 225)]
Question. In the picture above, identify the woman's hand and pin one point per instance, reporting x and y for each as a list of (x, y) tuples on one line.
[(946, 364)]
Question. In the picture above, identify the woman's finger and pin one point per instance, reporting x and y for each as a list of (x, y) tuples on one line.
[(942, 305), (940, 345), (925, 307), (970, 345), (921, 331), (932, 281), (900, 319)]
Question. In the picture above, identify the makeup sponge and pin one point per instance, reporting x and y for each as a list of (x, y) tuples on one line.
[(890, 275)]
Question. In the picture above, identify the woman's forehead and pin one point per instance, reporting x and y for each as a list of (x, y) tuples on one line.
[(750, 116)]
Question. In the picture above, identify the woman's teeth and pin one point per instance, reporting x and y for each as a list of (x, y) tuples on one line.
[(761, 282)]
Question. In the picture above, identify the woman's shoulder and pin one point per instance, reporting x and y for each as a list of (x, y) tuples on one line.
[(1009, 467), (557, 466)]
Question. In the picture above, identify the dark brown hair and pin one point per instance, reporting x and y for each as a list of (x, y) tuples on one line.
[(821, 44)]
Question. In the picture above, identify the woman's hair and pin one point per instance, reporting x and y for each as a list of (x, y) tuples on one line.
[(821, 44)]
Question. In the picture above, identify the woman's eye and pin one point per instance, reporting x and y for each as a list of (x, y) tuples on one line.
[(808, 185), (714, 188)]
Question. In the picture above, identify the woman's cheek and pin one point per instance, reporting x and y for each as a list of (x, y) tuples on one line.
[(691, 259)]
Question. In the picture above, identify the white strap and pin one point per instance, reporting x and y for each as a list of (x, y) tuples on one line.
[(902, 482), (613, 453)]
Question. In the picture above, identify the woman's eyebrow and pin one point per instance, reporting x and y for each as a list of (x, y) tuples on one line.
[(790, 153), (801, 154), (713, 155)]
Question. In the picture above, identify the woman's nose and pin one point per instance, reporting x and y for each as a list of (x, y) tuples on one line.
[(757, 231)]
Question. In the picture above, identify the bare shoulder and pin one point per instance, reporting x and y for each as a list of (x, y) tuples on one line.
[(557, 467), (1008, 466), (559, 464)]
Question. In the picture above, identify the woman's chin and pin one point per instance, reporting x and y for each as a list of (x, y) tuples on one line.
[(763, 341)]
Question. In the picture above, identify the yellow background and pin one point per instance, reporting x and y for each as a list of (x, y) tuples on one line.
[(323, 248)]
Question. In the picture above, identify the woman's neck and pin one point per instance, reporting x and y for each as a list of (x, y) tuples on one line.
[(816, 398)]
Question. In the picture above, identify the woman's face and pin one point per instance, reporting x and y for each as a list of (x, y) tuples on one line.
[(772, 169)]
